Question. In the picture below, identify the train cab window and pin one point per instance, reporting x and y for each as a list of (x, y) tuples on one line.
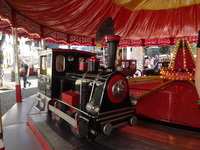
[(125, 64), (133, 64), (43, 65), (60, 63)]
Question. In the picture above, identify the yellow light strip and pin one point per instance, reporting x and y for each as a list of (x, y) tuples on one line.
[(142, 79), (154, 90), (192, 83), (34, 34), (190, 51), (172, 63), (7, 20), (184, 59), (55, 40)]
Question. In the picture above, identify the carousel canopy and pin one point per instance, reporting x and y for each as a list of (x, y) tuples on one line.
[(138, 22)]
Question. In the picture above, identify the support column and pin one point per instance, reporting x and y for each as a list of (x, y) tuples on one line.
[(117, 54), (171, 50), (93, 49), (43, 44), (16, 65), (143, 58), (104, 56), (1, 131), (69, 46), (197, 69), (122, 53)]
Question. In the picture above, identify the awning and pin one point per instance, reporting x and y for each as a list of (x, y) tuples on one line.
[(144, 22)]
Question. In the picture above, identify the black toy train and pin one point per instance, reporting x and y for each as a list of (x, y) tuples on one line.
[(72, 88)]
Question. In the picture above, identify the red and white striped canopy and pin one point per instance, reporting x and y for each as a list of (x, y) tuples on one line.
[(136, 21)]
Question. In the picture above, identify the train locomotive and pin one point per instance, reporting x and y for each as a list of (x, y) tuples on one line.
[(90, 99)]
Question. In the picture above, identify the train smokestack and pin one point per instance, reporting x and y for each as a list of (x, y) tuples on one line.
[(112, 41)]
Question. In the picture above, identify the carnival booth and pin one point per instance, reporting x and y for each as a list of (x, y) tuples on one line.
[(171, 97)]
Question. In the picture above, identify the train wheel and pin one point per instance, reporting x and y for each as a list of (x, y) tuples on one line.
[(52, 103), (133, 121), (75, 130), (60, 107)]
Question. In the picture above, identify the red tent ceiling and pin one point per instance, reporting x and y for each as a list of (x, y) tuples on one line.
[(137, 22)]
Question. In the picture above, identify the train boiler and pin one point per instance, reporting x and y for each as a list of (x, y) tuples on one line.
[(72, 88)]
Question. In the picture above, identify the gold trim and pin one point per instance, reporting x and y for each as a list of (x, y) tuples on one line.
[(154, 90), (133, 5)]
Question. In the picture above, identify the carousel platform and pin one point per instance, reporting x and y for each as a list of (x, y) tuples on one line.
[(24, 128)]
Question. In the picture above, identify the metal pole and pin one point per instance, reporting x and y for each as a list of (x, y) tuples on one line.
[(16, 65), (69, 46), (142, 58), (1, 131), (93, 49), (171, 50), (104, 56), (117, 54), (122, 53), (43, 44)]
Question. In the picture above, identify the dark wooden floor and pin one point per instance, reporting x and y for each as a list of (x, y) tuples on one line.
[(169, 137), (144, 136)]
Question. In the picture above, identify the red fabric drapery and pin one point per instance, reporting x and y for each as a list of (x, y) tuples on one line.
[(77, 21)]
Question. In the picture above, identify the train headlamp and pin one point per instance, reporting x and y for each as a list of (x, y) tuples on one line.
[(118, 89), (133, 100), (92, 108)]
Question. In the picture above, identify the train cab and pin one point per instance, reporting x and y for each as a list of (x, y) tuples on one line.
[(53, 67), (73, 88)]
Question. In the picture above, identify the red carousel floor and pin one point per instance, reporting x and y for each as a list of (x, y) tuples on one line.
[(25, 128)]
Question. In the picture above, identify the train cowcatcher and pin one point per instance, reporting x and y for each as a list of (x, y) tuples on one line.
[(73, 88)]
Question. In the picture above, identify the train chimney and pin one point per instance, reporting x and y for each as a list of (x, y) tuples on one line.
[(112, 41)]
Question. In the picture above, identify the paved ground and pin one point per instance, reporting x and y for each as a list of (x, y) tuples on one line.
[(7, 92)]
